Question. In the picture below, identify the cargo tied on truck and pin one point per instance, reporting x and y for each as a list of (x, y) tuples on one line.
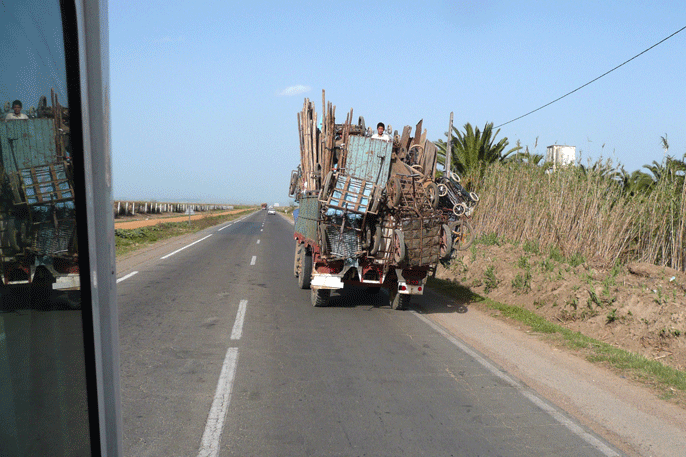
[(38, 245), (370, 211)]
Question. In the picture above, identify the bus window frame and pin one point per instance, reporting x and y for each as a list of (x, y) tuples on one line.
[(86, 44)]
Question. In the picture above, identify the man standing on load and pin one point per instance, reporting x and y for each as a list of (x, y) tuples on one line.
[(380, 135), (16, 114)]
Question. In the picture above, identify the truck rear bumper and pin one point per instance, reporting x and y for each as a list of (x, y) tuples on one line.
[(67, 282), (409, 289), (62, 282), (326, 281), (333, 282)]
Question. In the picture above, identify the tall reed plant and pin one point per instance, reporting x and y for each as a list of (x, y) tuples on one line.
[(583, 211)]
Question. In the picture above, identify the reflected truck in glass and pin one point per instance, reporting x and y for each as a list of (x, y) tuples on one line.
[(59, 362)]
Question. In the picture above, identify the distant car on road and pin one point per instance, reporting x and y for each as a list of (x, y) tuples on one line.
[(271, 211)]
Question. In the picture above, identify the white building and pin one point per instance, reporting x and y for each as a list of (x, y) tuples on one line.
[(560, 155)]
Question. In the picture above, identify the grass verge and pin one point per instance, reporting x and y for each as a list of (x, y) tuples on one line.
[(669, 382), (130, 240)]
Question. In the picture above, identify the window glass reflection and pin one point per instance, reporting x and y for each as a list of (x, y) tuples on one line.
[(43, 402)]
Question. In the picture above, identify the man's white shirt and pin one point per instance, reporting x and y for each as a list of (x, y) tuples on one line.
[(383, 137), (14, 117)]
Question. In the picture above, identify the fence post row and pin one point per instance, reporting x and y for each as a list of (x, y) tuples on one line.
[(125, 208)]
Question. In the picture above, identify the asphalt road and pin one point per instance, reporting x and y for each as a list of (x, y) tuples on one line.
[(223, 355)]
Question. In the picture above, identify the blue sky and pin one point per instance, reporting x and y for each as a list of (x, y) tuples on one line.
[(32, 52), (205, 94)]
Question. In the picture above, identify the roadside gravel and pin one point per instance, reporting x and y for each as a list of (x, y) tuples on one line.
[(628, 415)]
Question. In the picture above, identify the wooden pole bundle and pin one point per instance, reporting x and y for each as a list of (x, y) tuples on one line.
[(316, 165), (345, 135), (449, 148), (309, 145), (318, 142), (331, 133)]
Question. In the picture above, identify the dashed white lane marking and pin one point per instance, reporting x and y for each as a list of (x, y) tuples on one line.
[(569, 424), (127, 276), (258, 241), (253, 260), (227, 225), (237, 331), (261, 230), (187, 246), (209, 445)]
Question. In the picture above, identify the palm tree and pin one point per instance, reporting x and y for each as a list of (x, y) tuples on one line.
[(656, 169), (671, 169), (636, 183), (640, 183), (526, 157), (474, 149)]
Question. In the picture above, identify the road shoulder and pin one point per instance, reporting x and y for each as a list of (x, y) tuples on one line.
[(626, 414)]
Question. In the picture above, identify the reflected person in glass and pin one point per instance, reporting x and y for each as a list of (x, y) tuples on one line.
[(16, 113)]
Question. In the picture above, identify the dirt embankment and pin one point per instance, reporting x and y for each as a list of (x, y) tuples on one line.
[(637, 307), (154, 219)]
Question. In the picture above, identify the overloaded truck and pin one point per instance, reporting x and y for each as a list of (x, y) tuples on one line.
[(37, 218), (370, 211)]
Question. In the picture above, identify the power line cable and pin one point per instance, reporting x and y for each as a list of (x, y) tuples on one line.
[(594, 80)]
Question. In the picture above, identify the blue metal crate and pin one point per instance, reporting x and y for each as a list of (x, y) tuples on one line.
[(27, 143), (368, 159), (352, 194)]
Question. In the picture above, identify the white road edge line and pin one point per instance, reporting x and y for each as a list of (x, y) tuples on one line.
[(253, 260), (227, 225), (209, 445), (187, 246), (127, 276), (237, 331), (571, 425), (531, 396), (258, 241)]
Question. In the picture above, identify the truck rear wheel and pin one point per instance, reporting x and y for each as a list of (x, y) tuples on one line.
[(296, 259), (73, 299), (305, 270), (397, 300), (40, 289), (320, 297), (40, 295)]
